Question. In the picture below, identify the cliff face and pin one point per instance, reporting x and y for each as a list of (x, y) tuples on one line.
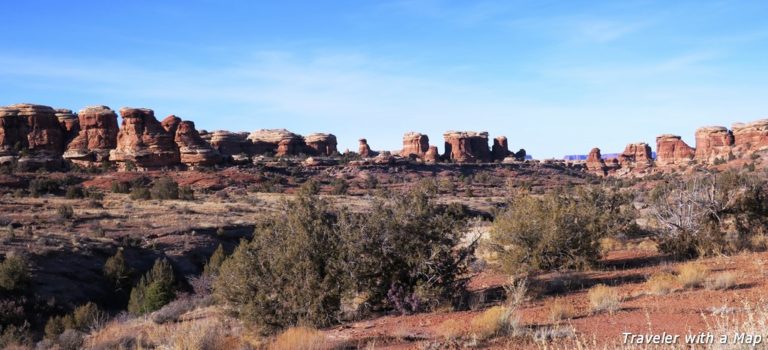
[(467, 146)]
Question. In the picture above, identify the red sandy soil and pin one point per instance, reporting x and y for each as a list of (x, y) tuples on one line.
[(681, 312)]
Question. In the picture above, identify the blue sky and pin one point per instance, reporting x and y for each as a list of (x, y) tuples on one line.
[(555, 77)]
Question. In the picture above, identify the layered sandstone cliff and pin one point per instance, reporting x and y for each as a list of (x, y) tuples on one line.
[(96, 138), (143, 141), (672, 150), (467, 146)]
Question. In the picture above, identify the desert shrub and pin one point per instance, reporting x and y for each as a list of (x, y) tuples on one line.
[(339, 187), (120, 187), (710, 215), (722, 281), (214, 263), (117, 272), (74, 192), (558, 230), (302, 262), (603, 298), (164, 188), (186, 193), (18, 337), (661, 283), (71, 339), (452, 329), (14, 274), (491, 322), (692, 275), (88, 317), (155, 289), (54, 327), (65, 212), (173, 310), (309, 188), (561, 310), (301, 338), (140, 193)]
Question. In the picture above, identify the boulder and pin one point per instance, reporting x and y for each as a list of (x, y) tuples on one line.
[(279, 142), (364, 150), (321, 144), (414, 145), (672, 150), (193, 151), (713, 142), (467, 146), (97, 136), (143, 141), (636, 156), (500, 148)]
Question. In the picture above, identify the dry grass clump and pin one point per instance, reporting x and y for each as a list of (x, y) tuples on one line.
[(492, 322), (451, 329), (301, 338), (722, 281), (692, 275), (661, 283), (648, 246), (561, 310), (609, 244), (603, 298)]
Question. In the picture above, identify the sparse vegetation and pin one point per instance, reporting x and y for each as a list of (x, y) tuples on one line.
[(561, 310), (558, 230), (14, 274), (301, 338), (492, 322), (661, 284), (692, 275), (155, 289), (722, 281), (603, 299)]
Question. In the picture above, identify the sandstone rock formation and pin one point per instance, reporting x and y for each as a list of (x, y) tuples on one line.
[(713, 142), (192, 149), (672, 150), (750, 137), (170, 124), (467, 146), (414, 145), (234, 146), (31, 135), (97, 136), (13, 132), (143, 141), (279, 142), (432, 156), (636, 155), (364, 150), (595, 163), (321, 144), (500, 148), (69, 124)]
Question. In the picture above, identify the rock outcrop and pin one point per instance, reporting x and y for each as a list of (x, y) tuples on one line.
[(170, 124), (713, 142), (500, 148), (70, 125), (321, 144), (193, 150), (750, 137), (432, 156), (595, 163), (364, 150), (97, 136), (143, 141), (31, 135), (13, 133), (234, 146), (414, 145), (467, 146), (636, 156), (672, 150), (279, 142)]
